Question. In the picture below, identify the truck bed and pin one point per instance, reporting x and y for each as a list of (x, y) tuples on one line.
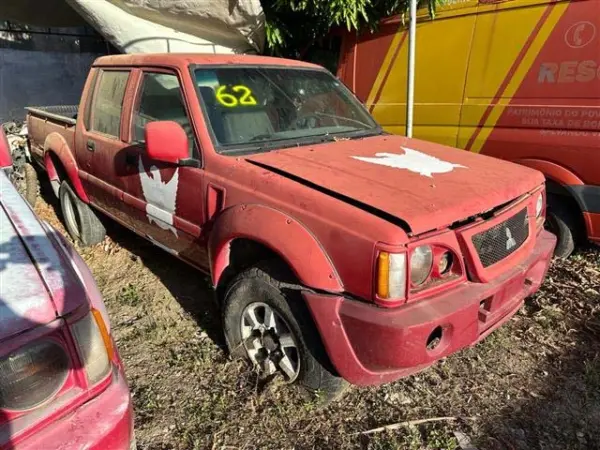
[(44, 120), (64, 113)]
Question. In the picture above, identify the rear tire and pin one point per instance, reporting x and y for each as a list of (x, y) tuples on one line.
[(263, 288), (32, 184), (562, 220), (81, 221), (25, 179)]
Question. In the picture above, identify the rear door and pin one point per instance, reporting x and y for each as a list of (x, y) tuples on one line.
[(102, 139), (166, 200)]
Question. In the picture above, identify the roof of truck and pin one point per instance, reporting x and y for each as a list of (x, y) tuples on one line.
[(185, 59)]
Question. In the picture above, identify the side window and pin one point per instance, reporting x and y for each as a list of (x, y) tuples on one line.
[(88, 102), (108, 102), (161, 99)]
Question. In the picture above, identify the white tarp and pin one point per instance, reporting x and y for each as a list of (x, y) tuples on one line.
[(151, 26), (207, 26)]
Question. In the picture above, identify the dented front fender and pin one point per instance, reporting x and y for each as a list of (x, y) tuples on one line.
[(282, 234)]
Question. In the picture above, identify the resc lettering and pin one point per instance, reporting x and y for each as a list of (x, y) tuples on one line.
[(569, 72)]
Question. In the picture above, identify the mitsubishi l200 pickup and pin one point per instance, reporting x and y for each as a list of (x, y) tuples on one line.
[(338, 251)]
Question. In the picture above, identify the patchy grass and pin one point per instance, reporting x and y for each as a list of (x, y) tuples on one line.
[(533, 384), (129, 296)]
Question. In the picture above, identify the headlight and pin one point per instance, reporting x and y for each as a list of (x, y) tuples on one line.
[(391, 275), (32, 375), (539, 205), (421, 262), (445, 263), (94, 344)]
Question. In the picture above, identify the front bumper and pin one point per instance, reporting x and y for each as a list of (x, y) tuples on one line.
[(105, 422), (370, 345)]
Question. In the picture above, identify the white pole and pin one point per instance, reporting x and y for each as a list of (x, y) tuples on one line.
[(410, 100)]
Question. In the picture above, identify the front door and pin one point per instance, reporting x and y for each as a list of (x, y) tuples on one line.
[(167, 199), (102, 140)]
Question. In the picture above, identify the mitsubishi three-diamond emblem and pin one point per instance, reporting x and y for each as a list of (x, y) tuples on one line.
[(510, 240)]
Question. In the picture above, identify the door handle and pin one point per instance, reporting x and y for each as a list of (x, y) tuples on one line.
[(91, 145)]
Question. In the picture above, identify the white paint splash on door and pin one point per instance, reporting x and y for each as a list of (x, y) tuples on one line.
[(160, 196), (413, 161)]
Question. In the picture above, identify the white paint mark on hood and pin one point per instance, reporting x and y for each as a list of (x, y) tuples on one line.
[(413, 161)]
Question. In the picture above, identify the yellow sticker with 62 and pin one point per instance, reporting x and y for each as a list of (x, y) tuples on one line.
[(244, 96)]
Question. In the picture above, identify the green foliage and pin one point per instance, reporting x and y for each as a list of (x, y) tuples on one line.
[(294, 25)]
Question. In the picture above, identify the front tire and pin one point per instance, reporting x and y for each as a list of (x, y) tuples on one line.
[(267, 322), (562, 220), (81, 221)]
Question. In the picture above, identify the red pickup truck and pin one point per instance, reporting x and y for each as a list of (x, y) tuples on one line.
[(338, 252)]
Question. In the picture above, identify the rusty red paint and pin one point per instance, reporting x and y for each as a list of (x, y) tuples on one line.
[(358, 338), (326, 210), (166, 142)]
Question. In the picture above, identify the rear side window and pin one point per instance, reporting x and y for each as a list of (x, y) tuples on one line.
[(88, 101), (108, 102)]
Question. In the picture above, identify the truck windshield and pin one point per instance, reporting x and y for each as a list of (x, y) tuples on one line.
[(254, 109)]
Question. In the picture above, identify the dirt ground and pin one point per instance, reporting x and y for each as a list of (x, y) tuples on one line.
[(533, 384)]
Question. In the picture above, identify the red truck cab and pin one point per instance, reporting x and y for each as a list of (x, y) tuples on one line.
[(62, 383), (339, 252)]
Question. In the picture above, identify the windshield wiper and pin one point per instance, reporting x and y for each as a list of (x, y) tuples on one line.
[(261, 137), (344, 118)]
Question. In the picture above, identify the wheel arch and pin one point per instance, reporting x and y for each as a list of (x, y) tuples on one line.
[(60, 164), (560, 182), (559, 179), (270, 233), (552, 171)]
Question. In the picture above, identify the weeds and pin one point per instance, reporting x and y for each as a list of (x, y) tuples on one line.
[(129, 296)]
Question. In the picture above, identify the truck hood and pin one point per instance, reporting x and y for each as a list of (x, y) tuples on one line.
[(422, 184), (36, 283)]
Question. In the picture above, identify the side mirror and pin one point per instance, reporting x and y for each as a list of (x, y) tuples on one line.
[(166, 141)]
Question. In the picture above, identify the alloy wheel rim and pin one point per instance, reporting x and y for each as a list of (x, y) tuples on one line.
[(269, 341)]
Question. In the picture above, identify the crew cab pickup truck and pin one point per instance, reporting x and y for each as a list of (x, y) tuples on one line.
[(338, 252), (62, 384)]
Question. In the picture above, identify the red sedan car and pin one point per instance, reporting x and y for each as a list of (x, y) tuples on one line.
[(62, 383)]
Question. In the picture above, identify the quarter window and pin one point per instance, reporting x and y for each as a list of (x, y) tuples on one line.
[(108, 102)]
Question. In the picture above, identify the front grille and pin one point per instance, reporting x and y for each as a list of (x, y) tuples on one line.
[(501, 240)]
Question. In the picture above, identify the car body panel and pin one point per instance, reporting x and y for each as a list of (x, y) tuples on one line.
[(37, 283), (410, 190), (45, 286)]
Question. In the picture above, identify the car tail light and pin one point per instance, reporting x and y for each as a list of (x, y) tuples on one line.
[(32, 375), (94, 345)]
